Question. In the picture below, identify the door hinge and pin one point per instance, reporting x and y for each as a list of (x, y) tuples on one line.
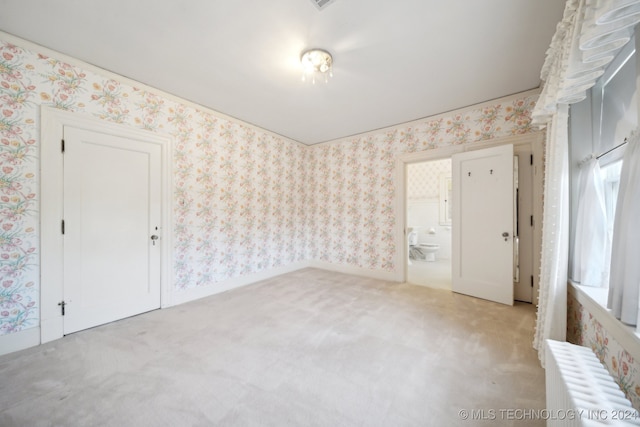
[(62, 304), (532, 220), (531, 159), (62, 226), (532, 281), (62, 145)]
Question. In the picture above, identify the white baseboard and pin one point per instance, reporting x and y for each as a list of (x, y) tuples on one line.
[(19, 340), (182, 296), (357, 271)]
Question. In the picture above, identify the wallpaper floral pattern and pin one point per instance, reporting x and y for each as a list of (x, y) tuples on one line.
[(584, 329), (245, 200)]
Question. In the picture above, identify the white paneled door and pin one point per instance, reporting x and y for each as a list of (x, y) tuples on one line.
[(483, 224), (112, 217)]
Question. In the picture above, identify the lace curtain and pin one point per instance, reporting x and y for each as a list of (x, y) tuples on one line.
[(586, 40), (592, 240), (624, 282), (551, 321)]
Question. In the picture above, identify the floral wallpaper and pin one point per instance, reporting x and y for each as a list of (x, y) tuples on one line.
[(584, 329), (239, 193), (351, 190), (245, 200)]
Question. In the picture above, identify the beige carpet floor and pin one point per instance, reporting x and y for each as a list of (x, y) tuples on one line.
[(309, 348)]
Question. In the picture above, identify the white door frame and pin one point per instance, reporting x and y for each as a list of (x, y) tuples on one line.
[(534, 140), (51, 210)]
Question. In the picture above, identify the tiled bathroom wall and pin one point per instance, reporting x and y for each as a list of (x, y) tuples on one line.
[(423, 204), (423, 179)]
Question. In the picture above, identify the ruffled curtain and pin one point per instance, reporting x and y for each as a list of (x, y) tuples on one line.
[(592, 240), (586, 40), (624, 284)]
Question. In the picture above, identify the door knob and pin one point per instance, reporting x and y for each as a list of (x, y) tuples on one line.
[(505, 235), (154, 238)]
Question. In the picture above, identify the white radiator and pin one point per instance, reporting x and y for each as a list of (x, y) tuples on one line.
[(581, 392)]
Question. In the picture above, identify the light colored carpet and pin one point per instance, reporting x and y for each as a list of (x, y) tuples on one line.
[(310, 348), (436, 274)]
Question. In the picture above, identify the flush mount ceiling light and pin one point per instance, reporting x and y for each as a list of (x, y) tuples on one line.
[(316, 63)]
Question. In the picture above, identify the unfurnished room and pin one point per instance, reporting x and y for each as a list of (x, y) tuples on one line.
[(319, 213)]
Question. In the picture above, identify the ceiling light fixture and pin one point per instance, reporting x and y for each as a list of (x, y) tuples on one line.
[(316, 62)]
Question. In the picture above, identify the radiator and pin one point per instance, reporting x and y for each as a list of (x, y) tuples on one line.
[(581, 392)]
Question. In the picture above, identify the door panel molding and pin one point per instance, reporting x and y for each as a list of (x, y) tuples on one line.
[(53, 122), (112, 266), (483, 223)]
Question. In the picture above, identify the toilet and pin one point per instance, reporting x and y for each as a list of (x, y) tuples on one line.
[(429, 250), (412, 239)]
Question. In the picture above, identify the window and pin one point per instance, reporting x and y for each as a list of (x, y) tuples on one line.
[(604, 253), (598, 128), (610, 176)]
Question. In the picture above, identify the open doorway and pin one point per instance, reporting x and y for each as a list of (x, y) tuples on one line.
[(528, 149), (428, 204)]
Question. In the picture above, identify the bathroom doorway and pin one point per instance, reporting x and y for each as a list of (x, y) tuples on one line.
[(411, 202), (428, 202)]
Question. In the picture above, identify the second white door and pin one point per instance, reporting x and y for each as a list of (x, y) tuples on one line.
[(112, 216), (483, 224)]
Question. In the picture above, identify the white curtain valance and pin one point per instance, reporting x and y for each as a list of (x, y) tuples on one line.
[(586, 40)]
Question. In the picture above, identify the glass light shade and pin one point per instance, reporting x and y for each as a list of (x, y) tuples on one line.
[(316, 62)]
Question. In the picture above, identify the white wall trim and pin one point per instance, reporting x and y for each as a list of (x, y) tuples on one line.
[(52, 122), (19, 340), (594, 301), (182, 296), (400, 232)]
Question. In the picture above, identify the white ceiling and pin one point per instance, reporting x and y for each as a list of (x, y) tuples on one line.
[(394, 61)]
